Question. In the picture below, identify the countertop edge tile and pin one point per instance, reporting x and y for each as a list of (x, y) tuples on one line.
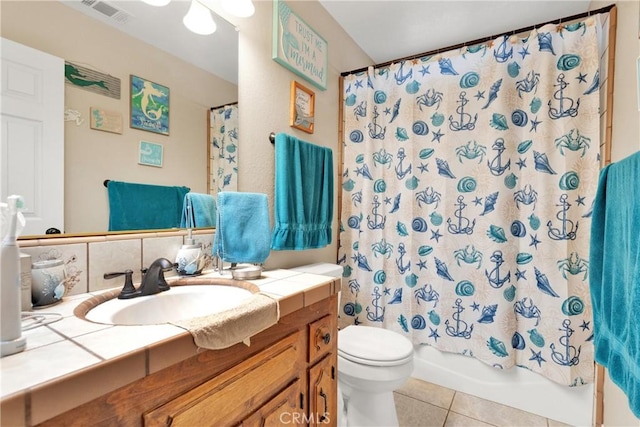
[(58, 396), (317, 293), (13, 410), (290, 303), (170, 351)]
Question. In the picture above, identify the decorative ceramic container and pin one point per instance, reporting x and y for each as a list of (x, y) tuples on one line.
[(190, 260), (47, 282)]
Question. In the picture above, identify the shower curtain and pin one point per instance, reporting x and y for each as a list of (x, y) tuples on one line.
[(224, 149), (468, 181)]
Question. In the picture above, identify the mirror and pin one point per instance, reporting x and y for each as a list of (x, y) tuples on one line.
[(101, 45), (223, 149)]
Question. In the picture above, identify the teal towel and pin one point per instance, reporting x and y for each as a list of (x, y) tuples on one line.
[(303, 194), (614, 275), (198, 210), (243, 233), (135, 206)]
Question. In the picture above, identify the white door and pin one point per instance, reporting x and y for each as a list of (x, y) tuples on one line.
[(32, 156)]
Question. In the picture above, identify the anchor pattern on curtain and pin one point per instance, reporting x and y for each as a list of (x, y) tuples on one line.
[(468, 182), (224, 148)]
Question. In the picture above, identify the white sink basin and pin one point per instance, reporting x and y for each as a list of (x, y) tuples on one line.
[(178, 303)]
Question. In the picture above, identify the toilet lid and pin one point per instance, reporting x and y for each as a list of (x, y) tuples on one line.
[(374, 346)]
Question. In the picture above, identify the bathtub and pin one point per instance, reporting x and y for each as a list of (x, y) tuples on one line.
[(516, 387)]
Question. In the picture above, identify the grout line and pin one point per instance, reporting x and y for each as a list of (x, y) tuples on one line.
[(452, 399), (444, 423)]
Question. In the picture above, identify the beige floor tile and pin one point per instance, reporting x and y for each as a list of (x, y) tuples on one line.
[(554, 423), (456, 420), (414, 413), (494, 413), (427, 392)]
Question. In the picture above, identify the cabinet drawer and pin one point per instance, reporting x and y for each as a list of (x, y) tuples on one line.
[(227, 398), (322, 336)]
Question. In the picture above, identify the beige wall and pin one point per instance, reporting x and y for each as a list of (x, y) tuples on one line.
[(625, 141), (626, 116), (264, 101), (92, 156)]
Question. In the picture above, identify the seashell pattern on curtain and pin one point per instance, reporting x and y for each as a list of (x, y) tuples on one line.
[(467, 191), (224, 149)]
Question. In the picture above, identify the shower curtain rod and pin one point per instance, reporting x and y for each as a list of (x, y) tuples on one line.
[(224, 105), (482, 40)]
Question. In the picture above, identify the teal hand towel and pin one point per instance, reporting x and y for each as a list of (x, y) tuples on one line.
[(134, 206), (303, 194), (243, 233), (614, 275), (198, 210)]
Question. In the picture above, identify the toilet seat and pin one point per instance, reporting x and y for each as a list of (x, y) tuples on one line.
[(367, 345)]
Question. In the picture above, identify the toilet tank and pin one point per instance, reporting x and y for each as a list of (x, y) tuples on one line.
[(321, 268)]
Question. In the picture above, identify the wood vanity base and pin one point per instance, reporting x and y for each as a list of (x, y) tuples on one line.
[(287, 376)]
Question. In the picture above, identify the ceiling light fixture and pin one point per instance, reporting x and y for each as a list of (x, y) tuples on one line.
[(198, 19), (157, 2), (239, 8)]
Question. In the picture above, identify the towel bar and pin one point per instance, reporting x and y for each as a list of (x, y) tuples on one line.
[(272, 138)]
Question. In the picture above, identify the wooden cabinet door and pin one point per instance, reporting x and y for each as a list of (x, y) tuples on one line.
[(323, 336), (323, 392), (226, 399), (283, 409)]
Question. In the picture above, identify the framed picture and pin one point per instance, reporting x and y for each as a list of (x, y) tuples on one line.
[(298, 47), (149, 106), (150, 154), (302, 107), (105, 120)]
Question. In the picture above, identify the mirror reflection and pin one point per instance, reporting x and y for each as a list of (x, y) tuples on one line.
[(198, 151), (223, 135)]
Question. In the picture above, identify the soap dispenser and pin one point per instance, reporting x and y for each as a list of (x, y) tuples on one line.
[(190, 258)]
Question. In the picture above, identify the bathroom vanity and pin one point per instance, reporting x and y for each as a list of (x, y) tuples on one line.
[(287, 375)]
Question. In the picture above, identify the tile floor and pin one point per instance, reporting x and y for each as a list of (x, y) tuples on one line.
[(422, 404)]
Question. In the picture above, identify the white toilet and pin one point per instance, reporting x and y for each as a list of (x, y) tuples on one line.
[(372, 363)]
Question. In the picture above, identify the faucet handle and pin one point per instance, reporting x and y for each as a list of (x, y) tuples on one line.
[(128, 291)]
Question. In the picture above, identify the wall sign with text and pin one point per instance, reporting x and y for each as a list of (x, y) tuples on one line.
[(298, 47), (150, 154), (302, 107)]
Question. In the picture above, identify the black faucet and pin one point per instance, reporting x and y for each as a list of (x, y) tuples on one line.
[(153, 281)]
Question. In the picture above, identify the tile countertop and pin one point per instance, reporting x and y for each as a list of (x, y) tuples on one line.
[(82, 360)]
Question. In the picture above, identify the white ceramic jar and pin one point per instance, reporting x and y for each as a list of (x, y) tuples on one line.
[(190, 260), (47, 282)]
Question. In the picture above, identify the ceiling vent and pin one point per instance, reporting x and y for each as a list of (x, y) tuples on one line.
[(108, 10)]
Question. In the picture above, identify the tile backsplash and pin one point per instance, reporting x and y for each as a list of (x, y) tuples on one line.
[(87, 259)]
